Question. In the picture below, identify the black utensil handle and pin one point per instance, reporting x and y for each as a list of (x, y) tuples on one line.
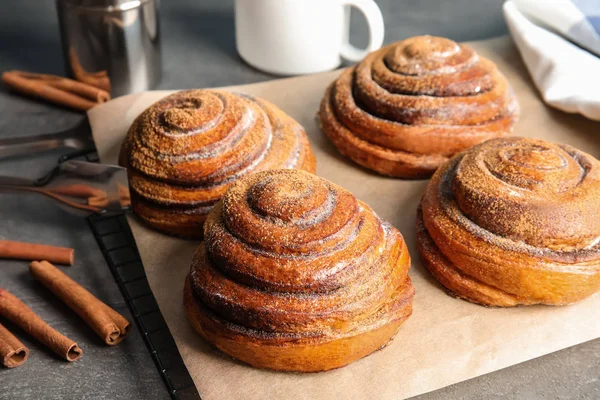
[(118, 246)]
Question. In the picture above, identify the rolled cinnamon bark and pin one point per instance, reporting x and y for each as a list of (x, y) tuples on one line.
[(111, 326), (13, 353), (70, 85), (41, 89), (18, 313), (31, 251), (84, 90)]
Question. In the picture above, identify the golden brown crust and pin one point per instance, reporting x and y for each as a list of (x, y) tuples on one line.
[(183, 152), (296, 274), (514, 221), (407, 108)]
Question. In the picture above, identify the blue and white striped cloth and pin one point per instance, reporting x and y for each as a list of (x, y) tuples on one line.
[(559, 41)]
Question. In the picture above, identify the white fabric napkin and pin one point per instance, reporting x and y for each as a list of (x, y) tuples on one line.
[(559, 41)]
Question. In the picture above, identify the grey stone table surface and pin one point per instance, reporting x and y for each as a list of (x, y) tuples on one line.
[(199, 51)]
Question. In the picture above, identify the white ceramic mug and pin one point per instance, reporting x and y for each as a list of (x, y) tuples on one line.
[(292, 37)]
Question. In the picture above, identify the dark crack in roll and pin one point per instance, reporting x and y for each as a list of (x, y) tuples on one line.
[(296, 274), (514, 221), (183, 152), (407, 108)]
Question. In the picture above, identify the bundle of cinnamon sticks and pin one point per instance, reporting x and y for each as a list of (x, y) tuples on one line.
[(56, 89), (111, 326)]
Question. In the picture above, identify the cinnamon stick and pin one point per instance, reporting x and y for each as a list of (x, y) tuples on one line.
[(40, 89), (13, 353), (85, 90), (18, 313), (31, 251), (111, 326)]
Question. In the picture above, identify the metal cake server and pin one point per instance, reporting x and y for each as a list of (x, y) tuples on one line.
[(78, 137)]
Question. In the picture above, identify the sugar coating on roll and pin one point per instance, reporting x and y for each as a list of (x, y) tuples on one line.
[(514, 221), (183, 152), (408, 107), (297, 274)]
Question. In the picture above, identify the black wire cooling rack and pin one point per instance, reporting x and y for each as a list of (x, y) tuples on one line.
[(120, 251)]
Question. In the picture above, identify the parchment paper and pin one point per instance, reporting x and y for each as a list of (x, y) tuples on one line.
[(445, 341)]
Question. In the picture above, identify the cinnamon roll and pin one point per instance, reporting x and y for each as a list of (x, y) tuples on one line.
[(407, 108), (296, 274), (183, 152), (514, 221)]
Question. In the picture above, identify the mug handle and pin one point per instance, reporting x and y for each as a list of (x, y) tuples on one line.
[(374, 19)]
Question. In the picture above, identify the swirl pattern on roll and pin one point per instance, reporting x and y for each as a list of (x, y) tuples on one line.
[(185, 150), (514, 221), (407, 108), (299, 267)]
